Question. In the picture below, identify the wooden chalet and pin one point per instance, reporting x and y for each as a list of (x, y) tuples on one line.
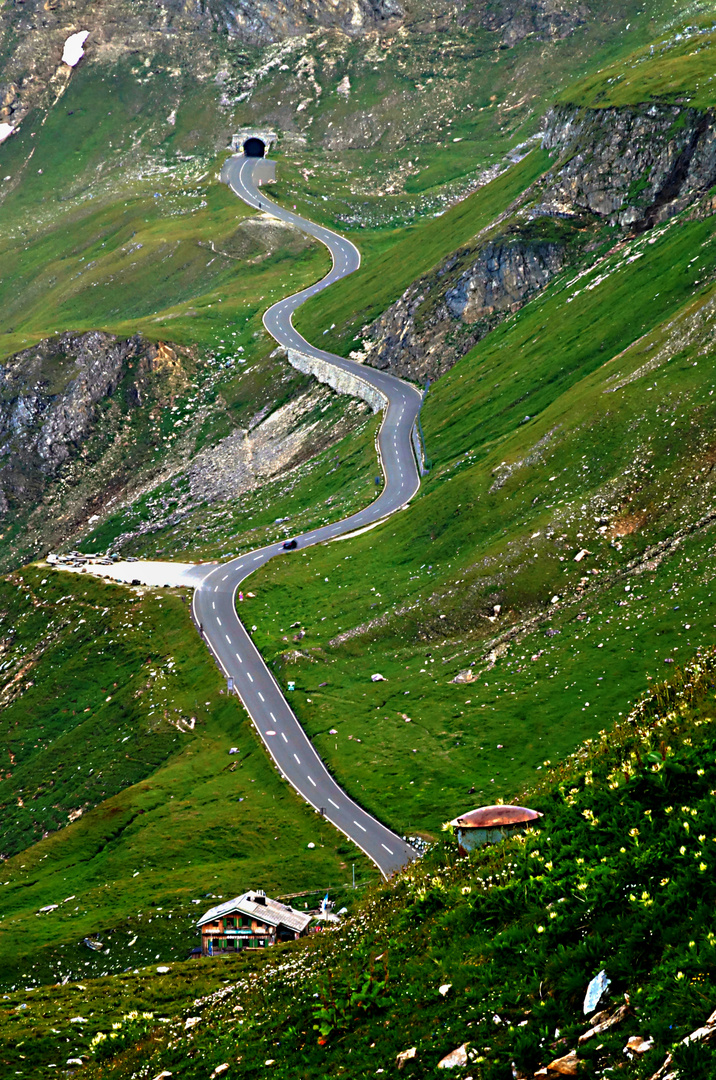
[(250, 921)]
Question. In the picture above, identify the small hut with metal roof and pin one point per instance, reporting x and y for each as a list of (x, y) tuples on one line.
[(490, 824), (250, 921)]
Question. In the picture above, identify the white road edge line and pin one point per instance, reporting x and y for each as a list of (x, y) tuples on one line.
[(293, 338)]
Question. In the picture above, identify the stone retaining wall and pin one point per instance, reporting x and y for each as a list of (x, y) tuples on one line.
[(343, 382), (418, 450)]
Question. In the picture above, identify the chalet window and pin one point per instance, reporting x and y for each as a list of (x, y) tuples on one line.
[(245, 920)]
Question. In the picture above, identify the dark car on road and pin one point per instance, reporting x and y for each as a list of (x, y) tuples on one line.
[(289, 545)]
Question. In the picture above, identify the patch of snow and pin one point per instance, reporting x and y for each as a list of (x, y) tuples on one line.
[(153, 574), (6, 131), (74, 51)]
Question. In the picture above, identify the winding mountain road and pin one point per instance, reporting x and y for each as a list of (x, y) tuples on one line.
[(214, 601)]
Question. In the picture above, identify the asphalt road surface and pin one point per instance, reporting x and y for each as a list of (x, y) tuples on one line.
[(215, 598)]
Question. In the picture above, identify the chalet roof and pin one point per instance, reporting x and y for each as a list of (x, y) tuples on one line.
[(490, 817), (271, 912)]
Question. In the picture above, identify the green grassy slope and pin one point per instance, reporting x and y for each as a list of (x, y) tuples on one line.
[(113, 707), (506, 508), (145, 240), (616, 458), (494, 951), (407, 254), (677, 69)]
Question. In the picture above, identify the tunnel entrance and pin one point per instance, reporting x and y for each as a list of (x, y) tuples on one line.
[(254, 147)]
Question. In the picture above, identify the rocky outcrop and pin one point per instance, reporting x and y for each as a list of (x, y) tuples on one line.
[(80, 422), (261, 22), (503, 275), (48, 401), (545, 20), (277, 444), (629, 167), (288, 437), (88, 422), (633, 166), (441, 316), (511, 21), (9, 102)]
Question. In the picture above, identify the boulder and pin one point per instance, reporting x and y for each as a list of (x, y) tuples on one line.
[(405, 1055), (564, 1066), (455, 1058), (603, 1022), (636, 1045)]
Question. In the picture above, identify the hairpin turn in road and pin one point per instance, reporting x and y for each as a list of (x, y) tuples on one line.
[(215, 597)]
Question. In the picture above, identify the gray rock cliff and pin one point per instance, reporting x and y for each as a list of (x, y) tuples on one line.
[(48, 400), (441, 316), (635, 166), (66, 408), (545, 20)]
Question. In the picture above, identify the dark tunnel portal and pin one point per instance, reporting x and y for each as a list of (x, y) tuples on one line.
[(254, 147)]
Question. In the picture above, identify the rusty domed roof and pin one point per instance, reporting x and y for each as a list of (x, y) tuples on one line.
[(490, 817)]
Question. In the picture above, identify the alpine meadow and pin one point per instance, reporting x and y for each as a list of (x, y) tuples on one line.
[(357, 539)]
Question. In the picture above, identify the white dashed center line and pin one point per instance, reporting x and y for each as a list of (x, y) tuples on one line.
[(345, 256)]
